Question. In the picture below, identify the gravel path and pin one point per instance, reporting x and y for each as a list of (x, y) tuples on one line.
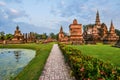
[(55, 68)]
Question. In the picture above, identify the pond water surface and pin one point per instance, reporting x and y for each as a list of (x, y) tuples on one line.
[(12, 61)]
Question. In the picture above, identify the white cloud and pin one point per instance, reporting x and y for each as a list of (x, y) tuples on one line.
[(16, 1), (2, 3), (6, 16), (85, 10), (62, 2), (14, 11)]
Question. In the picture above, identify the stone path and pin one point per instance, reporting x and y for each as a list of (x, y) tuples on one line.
[(55, 68)]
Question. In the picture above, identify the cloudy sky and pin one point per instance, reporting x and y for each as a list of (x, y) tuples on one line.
[(48, 15)]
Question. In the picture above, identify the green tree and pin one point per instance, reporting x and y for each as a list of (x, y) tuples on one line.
[(37, 36), (57, 36), (117, 31), (44, 36), (88, 25), (8, 36), (2, 35), (53, 36)]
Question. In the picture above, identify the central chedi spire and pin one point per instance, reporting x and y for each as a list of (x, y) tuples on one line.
[(97, 22), (61, 30)]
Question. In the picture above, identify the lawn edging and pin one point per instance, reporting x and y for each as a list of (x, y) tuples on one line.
[(85, 67)]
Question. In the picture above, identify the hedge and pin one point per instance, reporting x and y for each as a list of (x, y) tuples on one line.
[(85, 67)]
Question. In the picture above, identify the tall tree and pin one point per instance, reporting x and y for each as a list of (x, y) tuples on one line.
[(52, 35), (37, 36), (44, 36), (88, 25), (8, 36), (117, 31), (2, 35)]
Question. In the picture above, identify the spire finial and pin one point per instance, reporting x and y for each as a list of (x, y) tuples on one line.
[(61, 29), (97, 22), (75, 21), (17, 27), (112, 26), (111, 23), (97, 11)]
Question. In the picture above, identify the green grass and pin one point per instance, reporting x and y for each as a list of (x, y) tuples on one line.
[(104, 52), (33, 70)]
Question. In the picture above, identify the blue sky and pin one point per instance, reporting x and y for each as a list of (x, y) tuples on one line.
[(48, 15)]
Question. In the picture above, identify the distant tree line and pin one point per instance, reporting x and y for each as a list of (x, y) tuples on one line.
[(45, 36), (9, 36)]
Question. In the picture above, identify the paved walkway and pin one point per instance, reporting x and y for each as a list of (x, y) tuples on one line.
[(55, 68)]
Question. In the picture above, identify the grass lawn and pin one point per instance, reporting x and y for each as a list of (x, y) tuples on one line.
[(104, 52), (33, 70)]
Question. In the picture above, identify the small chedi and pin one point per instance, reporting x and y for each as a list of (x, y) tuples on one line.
[(92, 33), (112, 36), (61, 36)]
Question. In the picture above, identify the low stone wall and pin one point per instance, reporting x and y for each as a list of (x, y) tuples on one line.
[(117, 44), (109, 42), (1, 42), (14, 42), (90, 42), (28, 41)]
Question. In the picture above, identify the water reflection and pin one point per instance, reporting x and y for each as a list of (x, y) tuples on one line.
[(12, 61), (17, 55)]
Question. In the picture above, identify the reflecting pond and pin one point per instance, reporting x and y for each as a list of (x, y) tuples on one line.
[(12, 61)]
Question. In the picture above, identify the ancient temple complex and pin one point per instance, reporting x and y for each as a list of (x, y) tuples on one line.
[(22, 38), (76, 32), (92, 34), (98, 32)]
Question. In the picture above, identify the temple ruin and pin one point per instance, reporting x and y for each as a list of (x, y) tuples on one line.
[(92, 34), (76, 33), (61, 36)]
